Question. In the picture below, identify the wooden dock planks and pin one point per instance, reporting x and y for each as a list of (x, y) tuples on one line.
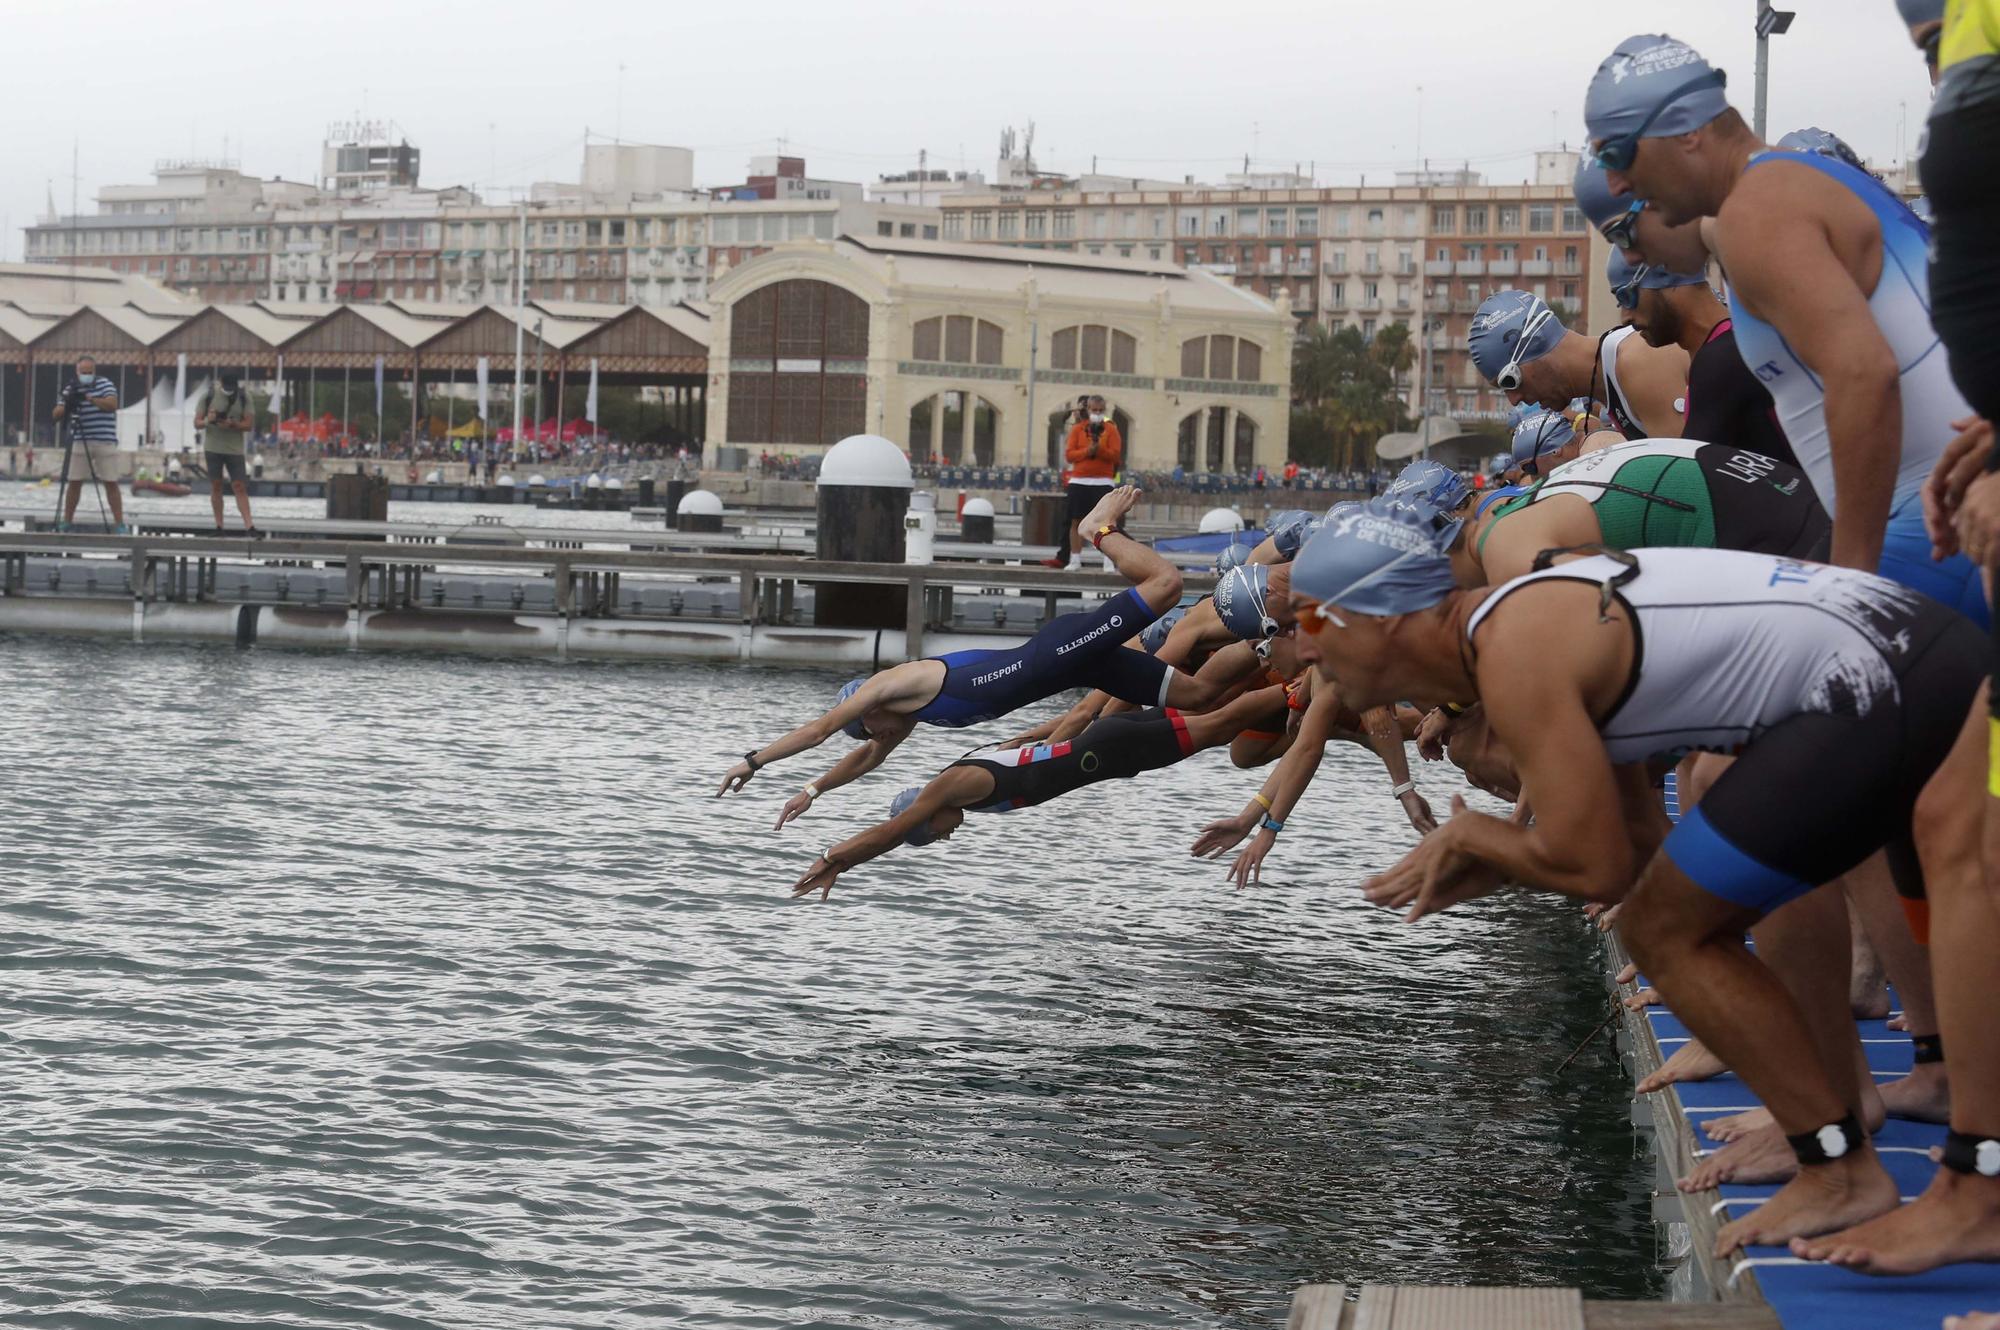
[(1421, 1307)]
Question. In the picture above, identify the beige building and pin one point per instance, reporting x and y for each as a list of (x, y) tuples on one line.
[(930, 344), (1422, 252)]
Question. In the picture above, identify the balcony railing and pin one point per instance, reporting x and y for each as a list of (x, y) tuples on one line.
[(1438, 268), (1536, 267), (1503, 267), (1469, 268)]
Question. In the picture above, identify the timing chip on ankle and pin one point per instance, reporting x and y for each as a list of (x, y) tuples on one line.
[(1830, 1142), (1972, 1154), (1927, 1048)]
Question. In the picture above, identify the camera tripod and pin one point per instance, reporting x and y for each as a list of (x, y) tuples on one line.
[(71, 426)]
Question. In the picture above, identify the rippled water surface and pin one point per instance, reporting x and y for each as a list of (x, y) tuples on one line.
[(415, 991)]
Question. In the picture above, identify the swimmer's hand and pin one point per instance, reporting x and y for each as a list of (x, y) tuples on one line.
[(1962, 461), (1249, 865), (794, 807), (1430, 734), (1217, 838), (1419, 812), (820, 877), (739, 776), (1977, 523), (1434, 876)]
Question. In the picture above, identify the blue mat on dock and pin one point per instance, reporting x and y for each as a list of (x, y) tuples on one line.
[(1823, 1297)]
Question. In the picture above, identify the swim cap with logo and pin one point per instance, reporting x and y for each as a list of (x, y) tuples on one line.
[(1288, 530), (854, 729), (1239, 601), (1920, 11), (901, 805), (1539, 435), (1382, 557), (1433, 482), (1155, 634), (1648, 73), (1497, 327)]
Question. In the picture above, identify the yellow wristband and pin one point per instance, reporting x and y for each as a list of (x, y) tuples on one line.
[(1993, 756), (1259, 798)]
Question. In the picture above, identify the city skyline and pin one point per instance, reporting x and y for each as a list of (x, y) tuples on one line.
[(1337, 96)]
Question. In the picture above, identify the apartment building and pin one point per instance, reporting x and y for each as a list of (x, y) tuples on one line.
[(1423, 251), (632, 231)]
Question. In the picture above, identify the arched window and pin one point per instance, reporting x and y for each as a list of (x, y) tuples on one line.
[(1187, 452), (957, 339), (1246, 444), (1218, 425), (1221, 357), (1094, 348), (799, 364), (956, 428)]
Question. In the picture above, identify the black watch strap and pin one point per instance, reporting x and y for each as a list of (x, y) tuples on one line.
[(751, 758)]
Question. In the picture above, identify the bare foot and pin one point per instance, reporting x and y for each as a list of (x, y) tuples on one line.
[(1757, 1156), (1973, 1321), (1628, 974), (1645, 997), (1900, 1023), (1922, 1096), (1956, 1219), (1820, 1199), (1737, 1125), (1691, 1062), (1609, 919), (1111, 509)]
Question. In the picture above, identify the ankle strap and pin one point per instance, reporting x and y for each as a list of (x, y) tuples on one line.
[(1830, 1142), (1972, 1154)]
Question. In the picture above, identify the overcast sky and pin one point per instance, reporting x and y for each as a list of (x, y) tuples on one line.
[(502, 93)]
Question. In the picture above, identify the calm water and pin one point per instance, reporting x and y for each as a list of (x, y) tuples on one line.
[(431, 992)]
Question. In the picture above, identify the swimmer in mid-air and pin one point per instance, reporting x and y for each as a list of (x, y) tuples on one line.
[(1086, 649)]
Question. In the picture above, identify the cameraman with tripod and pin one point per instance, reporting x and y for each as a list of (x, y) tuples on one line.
[(1093, 451), (229, 417), (90, 405)]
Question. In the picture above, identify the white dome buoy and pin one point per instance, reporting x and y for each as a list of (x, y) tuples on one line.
[(700, 503), (508, 481), (433, 477), (976, 508), (613, 483), (538, 480), (867, 460), (1221, 519), (593, 481)]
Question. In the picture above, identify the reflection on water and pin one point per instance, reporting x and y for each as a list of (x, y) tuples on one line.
[(423, 991)]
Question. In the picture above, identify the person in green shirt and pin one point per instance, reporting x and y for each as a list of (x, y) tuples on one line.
[(229, 417)]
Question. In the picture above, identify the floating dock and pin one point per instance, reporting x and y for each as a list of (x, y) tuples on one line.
[(491, 589)]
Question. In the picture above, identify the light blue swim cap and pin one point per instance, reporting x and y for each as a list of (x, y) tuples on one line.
[(1155, 635), (1381, 557), (854, 729), (1234, 553), (901, 805), (1284, 530), (1498, 326), (1920, 11), (1824, 143), (1594, 198), (1539, 435), (1650, 73), (1433, 482), (1628, 279), (1239, 602)]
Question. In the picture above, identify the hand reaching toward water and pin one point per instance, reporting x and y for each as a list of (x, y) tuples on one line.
[(794, 807), (739, 776), (1217, 837), (820, 877)]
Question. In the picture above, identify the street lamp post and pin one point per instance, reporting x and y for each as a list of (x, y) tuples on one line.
[(1769, 22)]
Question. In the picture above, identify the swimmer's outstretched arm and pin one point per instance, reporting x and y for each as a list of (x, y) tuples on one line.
[(859, 761), (954, 787), (813, 733), (1077, 719), (1280, 794), (1385, 736)]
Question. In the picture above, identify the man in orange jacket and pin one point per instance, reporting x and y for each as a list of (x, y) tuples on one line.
[(1094, 451)]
